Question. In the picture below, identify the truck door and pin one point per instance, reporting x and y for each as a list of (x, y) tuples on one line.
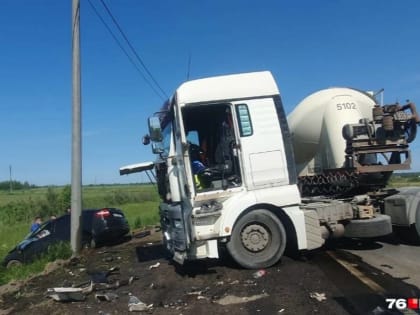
[(261, 144), (184, 182)]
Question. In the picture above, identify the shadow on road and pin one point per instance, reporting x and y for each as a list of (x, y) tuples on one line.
[(150, 252), (400, 236), (353, 244)]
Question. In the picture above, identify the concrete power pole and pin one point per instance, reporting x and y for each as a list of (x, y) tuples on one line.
[(76, 161), (10, 179)]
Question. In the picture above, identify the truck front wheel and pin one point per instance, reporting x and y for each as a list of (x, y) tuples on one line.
[(258, 240)]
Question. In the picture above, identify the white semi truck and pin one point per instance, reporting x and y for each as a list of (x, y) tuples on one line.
[(226, 171)]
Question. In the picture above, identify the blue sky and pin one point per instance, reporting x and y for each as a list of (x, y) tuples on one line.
[(308, 45)]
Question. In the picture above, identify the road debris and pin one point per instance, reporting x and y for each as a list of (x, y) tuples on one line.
[(197, 291), (232, 299), (154, 266), (260, 273), (69, 294), (318, 296), (109, 296), (250, 282), (142, 234), (108, 259), (135, 305), (201, 297), (102, 276)]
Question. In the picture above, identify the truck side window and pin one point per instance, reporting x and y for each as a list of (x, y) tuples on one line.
[(244, 120)]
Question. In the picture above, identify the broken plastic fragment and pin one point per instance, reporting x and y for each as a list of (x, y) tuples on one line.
[(67, 296), (154, 266), (135, 305), (318, 296), (109, 296), (232, 299), (260, 273), (102, 276)]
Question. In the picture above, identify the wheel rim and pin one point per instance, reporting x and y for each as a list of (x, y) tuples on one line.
[(255, 237)]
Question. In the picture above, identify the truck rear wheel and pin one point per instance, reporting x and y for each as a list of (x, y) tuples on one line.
[(258, 240)]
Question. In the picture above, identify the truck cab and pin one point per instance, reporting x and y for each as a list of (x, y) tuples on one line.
[(226, 175), (225, 170)]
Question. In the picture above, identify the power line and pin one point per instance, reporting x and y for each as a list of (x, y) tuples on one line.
[(132, 48), (164, 97)]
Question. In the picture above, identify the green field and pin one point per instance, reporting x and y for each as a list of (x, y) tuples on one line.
[(17, 210)]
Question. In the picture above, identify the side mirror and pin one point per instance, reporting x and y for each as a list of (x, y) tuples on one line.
[(146, 140), (155, 131)]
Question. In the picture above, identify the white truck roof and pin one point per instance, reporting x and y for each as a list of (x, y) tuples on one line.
[(227, 87)]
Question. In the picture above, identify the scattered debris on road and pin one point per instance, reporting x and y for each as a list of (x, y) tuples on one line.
[(318, 296), (232, 299), (69, 294), (197, 291), (154, 266), (260, 273), (109, 296), (141, 234), (102, 276), (135, 305)]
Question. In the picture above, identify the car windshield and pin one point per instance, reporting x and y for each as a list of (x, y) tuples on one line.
[(32, 234)]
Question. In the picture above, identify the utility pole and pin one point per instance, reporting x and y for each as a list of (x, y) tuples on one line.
[(10, 179), (76, 160)]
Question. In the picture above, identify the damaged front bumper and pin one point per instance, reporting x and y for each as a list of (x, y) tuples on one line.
[(174, 232)]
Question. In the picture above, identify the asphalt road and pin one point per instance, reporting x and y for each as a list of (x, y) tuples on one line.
[(388, 267), (399, 260)]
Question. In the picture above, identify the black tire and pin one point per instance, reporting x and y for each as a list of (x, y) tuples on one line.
[(13, 263), (258, 240)]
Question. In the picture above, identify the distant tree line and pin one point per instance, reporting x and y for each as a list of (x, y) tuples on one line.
[(16, 185)]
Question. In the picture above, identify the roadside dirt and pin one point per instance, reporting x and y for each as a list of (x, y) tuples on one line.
[(209, 287)]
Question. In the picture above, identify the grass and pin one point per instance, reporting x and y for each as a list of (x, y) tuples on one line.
[(404, 181), (22, 195)]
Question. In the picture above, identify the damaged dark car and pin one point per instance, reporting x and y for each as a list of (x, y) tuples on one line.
[(99, 227)]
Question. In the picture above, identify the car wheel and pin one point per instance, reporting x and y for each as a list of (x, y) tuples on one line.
[(258, 240), (13, 263)]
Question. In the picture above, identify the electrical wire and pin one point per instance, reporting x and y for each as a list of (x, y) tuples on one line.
[(132, 48), (133, 62)]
